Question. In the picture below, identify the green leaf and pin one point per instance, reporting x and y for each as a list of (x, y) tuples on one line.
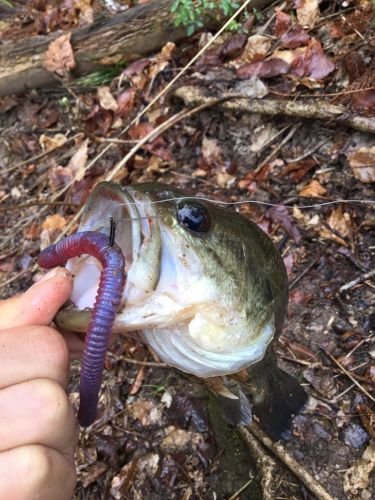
[(190, 29)]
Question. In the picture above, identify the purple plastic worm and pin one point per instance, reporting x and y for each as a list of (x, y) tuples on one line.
[(108, 298)]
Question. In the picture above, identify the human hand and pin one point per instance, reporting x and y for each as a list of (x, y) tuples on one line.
[(38, 430)]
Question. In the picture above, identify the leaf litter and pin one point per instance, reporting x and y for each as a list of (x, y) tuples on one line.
[(150, 440)]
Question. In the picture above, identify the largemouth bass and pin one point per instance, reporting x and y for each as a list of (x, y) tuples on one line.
[(205, 286)]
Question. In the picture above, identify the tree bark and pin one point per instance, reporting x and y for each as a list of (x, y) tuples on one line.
[(126, 36)]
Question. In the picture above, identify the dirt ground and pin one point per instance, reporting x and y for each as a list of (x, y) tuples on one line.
[(160, 433)]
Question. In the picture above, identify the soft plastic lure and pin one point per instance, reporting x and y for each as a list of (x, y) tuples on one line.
[(108, 298)]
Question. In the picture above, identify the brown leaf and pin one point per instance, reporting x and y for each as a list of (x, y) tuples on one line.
[(297, 37), (298, 170), (51, 227), (307, 12), (281, 215), (136, 68), (283, 22), (312, 62), (264, 69), (146, 411), (357, 477), (162, 60), (257, 45), (233, 46), (362, 162), (59, 57), (341, 225), (137, 384), (125, 101), (313, 190), (78, 161), (106, 99), (48, 143)]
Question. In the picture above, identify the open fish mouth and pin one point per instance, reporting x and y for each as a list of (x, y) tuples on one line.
[(169, 295)]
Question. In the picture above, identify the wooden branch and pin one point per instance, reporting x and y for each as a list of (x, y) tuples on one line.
[(319, 110), (126, 36), (298, 470)]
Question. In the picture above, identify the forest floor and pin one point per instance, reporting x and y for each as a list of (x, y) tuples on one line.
[(159, 434)]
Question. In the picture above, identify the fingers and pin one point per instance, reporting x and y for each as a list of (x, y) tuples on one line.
[(38, 412), (35, 471), (39, 304), (33, 352)]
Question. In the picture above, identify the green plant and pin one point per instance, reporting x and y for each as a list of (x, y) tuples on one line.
[(190, 14), (7, 3), (100, 77)]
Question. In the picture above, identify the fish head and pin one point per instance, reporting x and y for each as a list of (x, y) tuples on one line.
[(205, 286)]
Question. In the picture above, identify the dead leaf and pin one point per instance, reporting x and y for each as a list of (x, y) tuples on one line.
[(162, 60), (297, 37), (341, 224), (51, 226), (312, 62), (313, 190), (148, 412), (59, 57), (283, 22), (211, 152), (78, 161), (255, 46), (298, 170), (125, 101), (86, 12), (281, 215), (264, 69), (106, 99), (357, 477), (364, 101), (362, 162), (307, 12), (48, 143)]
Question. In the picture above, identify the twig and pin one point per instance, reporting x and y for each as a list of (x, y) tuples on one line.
[(307, 153), (319, 110), (348, 374), (144, 363), (282, 143), (298, 470), (243, 488), (265, 464), (360, 279), (293, 283)]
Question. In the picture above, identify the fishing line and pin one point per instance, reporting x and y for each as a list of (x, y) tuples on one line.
[(249, 202)]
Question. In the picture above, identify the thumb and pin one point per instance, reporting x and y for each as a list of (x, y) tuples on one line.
[(39, 304)]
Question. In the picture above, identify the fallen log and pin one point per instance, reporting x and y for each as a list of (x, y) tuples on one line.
[(126, 36)]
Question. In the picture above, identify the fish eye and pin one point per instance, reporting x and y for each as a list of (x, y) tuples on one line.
[(193, 216)]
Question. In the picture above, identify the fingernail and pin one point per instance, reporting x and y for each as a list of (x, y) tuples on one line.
[(57, 271)]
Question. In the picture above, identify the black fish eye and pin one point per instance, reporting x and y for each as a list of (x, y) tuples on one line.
[(193, 216)]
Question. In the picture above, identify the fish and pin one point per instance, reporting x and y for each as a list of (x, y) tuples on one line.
[(205, 286)]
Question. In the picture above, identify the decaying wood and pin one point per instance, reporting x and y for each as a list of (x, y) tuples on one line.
[(317, 109), (124, 37), (279, 451)]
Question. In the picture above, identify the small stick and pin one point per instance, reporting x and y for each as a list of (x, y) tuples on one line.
[(349, 375), (264, 463), (360, 279), (144, 363), (298, 470), (243, 488)]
